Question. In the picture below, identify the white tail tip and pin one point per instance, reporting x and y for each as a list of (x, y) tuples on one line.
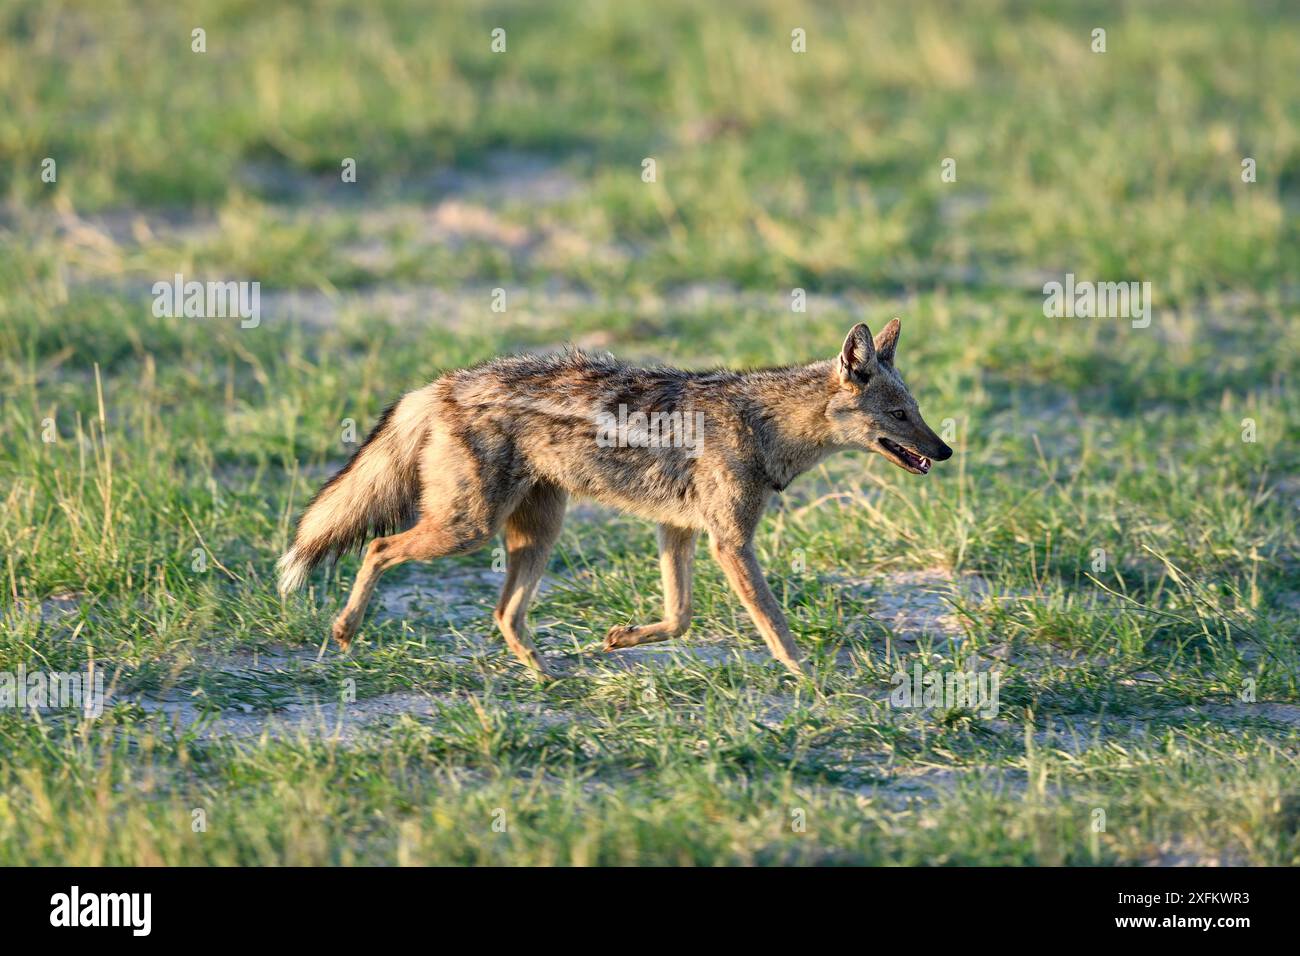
[(293, 572)]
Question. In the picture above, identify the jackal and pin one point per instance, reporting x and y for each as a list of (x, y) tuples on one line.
[(501, 447)]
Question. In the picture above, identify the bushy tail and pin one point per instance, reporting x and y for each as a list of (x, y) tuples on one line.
[(378, 491)]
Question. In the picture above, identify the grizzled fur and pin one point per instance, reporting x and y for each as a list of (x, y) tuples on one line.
[(500, 447)]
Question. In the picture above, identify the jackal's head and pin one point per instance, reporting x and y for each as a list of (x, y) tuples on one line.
[(872, 408)]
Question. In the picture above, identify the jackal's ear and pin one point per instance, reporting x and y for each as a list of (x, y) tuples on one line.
[(887, 341), (858, 356)]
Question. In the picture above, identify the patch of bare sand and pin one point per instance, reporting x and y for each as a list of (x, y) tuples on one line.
[(456, 596), (350, 722), (111, 231), (674, 653), (457, 310), (59, 607), (342, 722), (917, 604), (1268, 712), (504, 176)]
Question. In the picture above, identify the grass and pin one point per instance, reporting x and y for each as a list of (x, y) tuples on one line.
[(144, 537)]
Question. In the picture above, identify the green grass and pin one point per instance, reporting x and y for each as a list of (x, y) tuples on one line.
[(1120, 688)]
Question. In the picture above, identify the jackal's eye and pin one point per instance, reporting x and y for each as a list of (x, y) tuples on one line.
[(899, 414)]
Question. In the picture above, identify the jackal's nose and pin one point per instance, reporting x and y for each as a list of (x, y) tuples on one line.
[(943, 455)]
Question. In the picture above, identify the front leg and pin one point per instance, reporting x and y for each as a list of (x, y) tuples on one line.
[(676, 558), (741, 567)]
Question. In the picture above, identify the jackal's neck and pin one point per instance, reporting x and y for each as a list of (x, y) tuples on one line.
[(792, 405)]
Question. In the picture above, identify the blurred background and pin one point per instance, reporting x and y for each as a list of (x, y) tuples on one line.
[(819, 169)]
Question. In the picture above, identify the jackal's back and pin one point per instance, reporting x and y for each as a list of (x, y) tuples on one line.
[(641, 439)]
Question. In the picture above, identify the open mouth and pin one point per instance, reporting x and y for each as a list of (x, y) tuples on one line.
[(905, 457)]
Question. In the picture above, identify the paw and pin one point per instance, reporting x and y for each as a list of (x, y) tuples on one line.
[(343, 631), (624, 635)]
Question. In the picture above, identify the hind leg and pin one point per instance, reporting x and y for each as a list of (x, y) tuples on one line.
[(531, 531), (676, 564), (462, 503), (431, 538)]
